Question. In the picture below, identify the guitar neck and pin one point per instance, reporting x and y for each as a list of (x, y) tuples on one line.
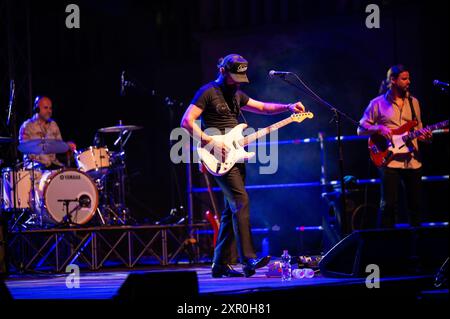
[(264, 131), (436, 126)]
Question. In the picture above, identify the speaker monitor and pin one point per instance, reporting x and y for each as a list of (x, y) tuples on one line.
[(164, 284), (413, 251), (5, 295)]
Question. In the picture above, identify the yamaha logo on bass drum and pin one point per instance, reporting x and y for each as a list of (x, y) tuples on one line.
[(69, 177)]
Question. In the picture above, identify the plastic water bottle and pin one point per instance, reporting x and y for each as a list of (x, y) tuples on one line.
[(303, 273), (286, 269)]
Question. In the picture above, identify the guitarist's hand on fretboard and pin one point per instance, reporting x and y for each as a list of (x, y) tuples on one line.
[(425, 134)]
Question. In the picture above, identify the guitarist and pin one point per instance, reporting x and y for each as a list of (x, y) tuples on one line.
[(219, 104), (389, 111)]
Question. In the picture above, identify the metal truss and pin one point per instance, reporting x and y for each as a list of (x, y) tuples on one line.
[(99, 247)]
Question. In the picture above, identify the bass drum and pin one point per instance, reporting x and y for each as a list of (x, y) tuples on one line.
[(68, 196)]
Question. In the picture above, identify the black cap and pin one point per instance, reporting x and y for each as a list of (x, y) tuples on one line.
[(236, 66)]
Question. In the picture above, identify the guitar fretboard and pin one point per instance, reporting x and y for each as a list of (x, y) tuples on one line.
[(433, 127), (264, 131)]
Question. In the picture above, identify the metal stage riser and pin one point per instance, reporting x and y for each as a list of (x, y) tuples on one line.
[(129, 246)]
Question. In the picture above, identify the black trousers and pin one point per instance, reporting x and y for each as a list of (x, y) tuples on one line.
[(389, 204), (235, 219)]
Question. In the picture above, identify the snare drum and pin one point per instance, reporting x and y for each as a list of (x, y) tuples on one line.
[(93, 160), (67, 192), (21, 194)]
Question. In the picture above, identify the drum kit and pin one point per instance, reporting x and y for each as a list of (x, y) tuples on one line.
[(39, 198)]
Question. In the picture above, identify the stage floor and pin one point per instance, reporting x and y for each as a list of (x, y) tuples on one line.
[(105, 284)]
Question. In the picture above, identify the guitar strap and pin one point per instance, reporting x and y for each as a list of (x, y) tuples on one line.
[(413, 112)]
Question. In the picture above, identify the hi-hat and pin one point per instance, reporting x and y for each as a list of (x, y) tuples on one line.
[(119, 128), (43, 146)]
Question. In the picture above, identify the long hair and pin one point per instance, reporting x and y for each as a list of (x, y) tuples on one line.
[(393, 72)]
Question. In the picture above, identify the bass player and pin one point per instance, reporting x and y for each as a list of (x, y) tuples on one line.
[(387, 112)]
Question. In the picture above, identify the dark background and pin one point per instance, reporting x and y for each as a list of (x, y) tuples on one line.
[(170, 49)]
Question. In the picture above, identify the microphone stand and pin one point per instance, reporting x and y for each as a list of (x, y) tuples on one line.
[(11, 129), (67, 220), (10, 123), (338, 114)]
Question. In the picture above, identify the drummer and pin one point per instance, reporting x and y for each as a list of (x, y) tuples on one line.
[(40, 126)]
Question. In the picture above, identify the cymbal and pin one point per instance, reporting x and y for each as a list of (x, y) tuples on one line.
[(43, 146), (4, 139), (119, 128)]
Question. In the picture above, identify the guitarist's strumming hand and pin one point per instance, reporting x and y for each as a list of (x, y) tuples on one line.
[(384, 131), (297, 107), (220, 149), (425, 134), (215, 147)]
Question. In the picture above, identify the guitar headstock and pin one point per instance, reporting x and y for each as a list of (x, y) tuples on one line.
[(300, 117)]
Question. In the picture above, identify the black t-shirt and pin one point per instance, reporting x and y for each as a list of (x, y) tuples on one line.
[(220, 104)]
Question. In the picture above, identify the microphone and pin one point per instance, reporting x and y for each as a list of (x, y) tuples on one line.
[(440, 84), (273, 73), (122, 84), (12, 89)]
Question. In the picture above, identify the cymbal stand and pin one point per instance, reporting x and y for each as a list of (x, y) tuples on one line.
[(99, 184), (33, 195), (106, 202), (15, 195), (121, 172)]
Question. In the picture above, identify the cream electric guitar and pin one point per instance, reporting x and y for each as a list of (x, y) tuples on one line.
[(235, 141)]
